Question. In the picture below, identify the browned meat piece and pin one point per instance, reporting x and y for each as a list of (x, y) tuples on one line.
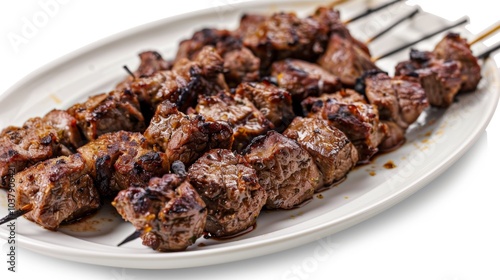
[(440, 79), (395, 137), (169, 213), (285, 170), (332, 152), (67, 127), (24, 146), (345, 59), (275, 103), (246, 120), (400, 99), (229, 186), (345, 95), (184, 82), (454, 47), (186, 138), (103, 113), (240, 64), (151, 62), (359, 122), (122, 159), (249, 23), (329, 19), (58, 190), (284, 35), (303, 79)]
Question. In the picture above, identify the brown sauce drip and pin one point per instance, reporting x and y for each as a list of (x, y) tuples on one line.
[(334, 184), (223, 238), (320, 196), (389, 165)]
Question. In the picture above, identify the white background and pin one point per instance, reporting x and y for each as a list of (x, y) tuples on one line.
[(449, 230)]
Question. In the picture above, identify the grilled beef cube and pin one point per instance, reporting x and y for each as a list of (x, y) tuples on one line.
[(332, 152), (184, 137), (122, 159), (275, 103), (246, 120), (183, 83), (67, 127), (345, 59), (103, 113), (240, 64), (169, 213), (58, 190), (151, 62), (440, 79), (21, 147), (359, 122), (303, 79), (454, 47), (285, 170), (400, 99), (249, 23), (229, 186), (284, 35)]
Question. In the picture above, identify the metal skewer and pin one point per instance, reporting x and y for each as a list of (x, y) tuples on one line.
[(387, 29), (461, 22), (16, 214), (371, 10)]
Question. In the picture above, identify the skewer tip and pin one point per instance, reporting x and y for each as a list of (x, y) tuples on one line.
[(15, 214), (136, 234)]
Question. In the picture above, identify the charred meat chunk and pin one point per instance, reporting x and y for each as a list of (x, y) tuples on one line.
[(58, 190), (246, 121), (345, 59), (103, 113), (359, 122), (67, 127), (400, 99), (151, 62), (331, 150), (440, 79), (303, 79), (229, 186), (285, 170), (21, 147), (454, 47), (184, 82), (186, 137), (122, 159), (169, 213), (285, 35), (275, 103), (240, 64)]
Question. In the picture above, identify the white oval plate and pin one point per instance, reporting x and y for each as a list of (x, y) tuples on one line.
[(433, 144)]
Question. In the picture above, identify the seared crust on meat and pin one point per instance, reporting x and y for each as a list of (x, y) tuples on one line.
[(274, 102), (303, 79), (454, 47), (186, 137), (169, 213), (103, 113), (57, 189), (229, 186), (359, 122), (285, 170), (331, 150), (151, 62), (246, 120)]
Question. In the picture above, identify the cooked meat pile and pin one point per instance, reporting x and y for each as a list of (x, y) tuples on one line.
[(229, 186), (262, 116)]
